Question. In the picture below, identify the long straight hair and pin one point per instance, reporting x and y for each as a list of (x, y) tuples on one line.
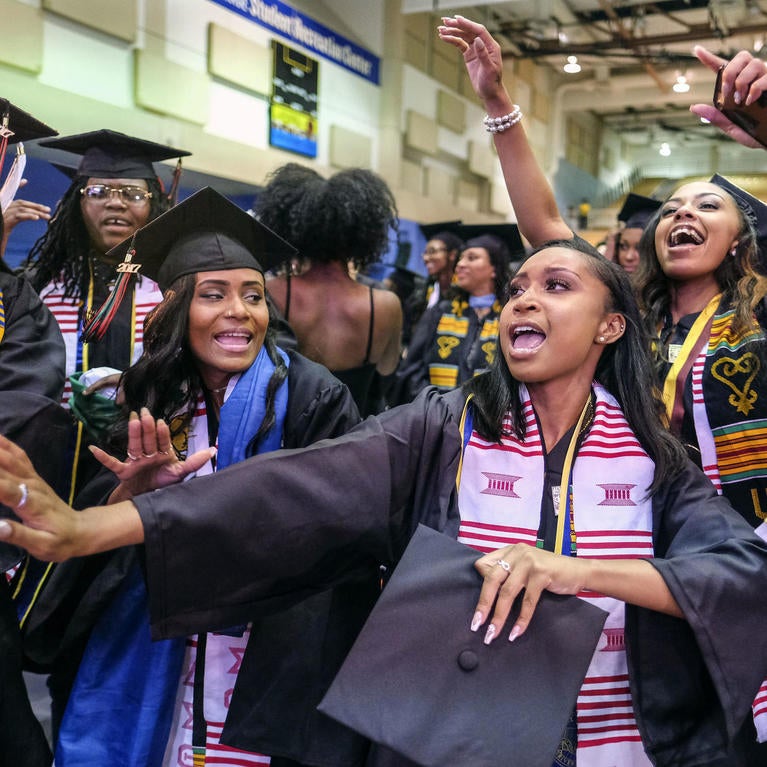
[(166, 379)]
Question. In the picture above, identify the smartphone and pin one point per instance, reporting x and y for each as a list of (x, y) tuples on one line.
[(752, 118)]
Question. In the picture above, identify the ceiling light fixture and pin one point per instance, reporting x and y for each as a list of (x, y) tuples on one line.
[(681, 85), (572, 67)]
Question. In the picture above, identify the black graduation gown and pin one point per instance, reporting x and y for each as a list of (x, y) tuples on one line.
[(31, 383), (412, 374), (338, 509), (57, 630), (32, 357)]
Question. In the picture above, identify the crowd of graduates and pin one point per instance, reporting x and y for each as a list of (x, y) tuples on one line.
[(592, 426)]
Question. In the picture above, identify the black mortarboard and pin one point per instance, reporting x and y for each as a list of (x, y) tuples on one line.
[(509, 233), (637, 210), (418, 681), (16, 126), (204, 233), (19, 125), (429, 231), (754, 209), (109, 154)]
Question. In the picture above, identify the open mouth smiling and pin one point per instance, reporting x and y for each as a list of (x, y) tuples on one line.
[(684, 235), (233, 340)]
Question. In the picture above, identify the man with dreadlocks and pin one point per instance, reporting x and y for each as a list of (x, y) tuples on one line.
[(114, 192)]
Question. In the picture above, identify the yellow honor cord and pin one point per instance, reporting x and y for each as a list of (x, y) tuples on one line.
[(669, 385), (565, 486)]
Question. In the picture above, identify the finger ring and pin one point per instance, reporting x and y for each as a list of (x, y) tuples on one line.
[(132, 457), (504, 565), (149, 455), (24, 495)]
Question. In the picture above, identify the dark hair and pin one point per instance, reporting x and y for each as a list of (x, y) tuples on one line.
[(621, 365), (62, 252), (166, 380), (344, 218), (500, 259), (452, 242), (738, 276)]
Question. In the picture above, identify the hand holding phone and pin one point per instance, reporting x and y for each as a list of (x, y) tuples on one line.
[(751, 118)]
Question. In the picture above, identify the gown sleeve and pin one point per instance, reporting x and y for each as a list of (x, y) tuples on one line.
[(716, 569), (32, 354), (307, 519)]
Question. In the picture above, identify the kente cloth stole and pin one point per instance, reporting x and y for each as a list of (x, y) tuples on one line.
[(499, 497), (205, 688), (104, 723), (730, 417), (145, 296), (730, 408), (2, 316), (452, 329)]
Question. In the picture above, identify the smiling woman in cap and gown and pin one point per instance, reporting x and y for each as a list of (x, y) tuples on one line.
[(211, 375)]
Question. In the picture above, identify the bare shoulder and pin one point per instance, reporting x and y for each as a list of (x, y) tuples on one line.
[(387, 302)]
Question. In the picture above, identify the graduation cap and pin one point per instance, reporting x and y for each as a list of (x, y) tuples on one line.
[(418, 681), (508, 233), (637, 210), (449, 229), (204, 233), (753, 208), (16, 126), (109, 154)]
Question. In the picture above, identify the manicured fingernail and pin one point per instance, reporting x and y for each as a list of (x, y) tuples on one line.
[(490, 635), (476, 621), (736, 97), (515, 632), (5, 529)]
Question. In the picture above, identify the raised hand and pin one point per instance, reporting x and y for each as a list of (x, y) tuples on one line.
[(481, 54), (150, 462), (745, 76)]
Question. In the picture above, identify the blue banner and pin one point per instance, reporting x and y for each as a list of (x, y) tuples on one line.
[(310, 34)]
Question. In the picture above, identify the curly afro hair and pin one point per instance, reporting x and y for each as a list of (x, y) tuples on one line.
[(344, 218)]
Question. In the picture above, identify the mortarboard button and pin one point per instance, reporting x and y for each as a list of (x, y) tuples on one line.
[(468, 660), (403, 685)]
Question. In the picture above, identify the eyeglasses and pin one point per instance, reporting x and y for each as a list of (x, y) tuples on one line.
[(433, 251), (130, 195)]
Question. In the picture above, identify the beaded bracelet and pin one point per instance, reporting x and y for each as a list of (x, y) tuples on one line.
[(500, 124)]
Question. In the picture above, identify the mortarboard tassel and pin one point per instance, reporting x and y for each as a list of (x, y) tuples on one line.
[(5, 134), (98, 321), (174, 184)]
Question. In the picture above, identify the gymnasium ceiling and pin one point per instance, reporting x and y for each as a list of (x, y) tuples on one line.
[(630, 52)]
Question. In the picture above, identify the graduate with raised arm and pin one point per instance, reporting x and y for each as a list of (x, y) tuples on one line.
[(555, 452)]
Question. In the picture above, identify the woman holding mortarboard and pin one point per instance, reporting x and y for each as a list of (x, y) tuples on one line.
[(213, 377), (702, 295)]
